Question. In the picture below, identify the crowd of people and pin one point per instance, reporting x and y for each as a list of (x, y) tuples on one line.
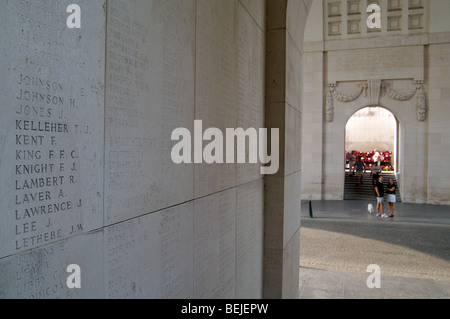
[(357, 165)]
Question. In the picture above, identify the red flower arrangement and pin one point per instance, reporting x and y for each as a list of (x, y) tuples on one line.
[(367, 158)]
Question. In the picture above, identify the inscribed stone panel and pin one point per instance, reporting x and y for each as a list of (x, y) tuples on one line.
[(216, 85), (214, 246), (150, 92), (151, 256), (42, 272), (249, 240), (251, 87), (51, 128), (376, 64)]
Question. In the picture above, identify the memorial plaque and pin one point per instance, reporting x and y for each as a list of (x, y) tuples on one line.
[(42, 272), (216, 85), (51, 128), (214, 246), (151, 256), (249, 240), (150, 92)]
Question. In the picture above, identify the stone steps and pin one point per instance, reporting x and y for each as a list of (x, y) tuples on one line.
[(364, 191)]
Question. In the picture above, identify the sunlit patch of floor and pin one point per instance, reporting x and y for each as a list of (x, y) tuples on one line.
[(389, 247)]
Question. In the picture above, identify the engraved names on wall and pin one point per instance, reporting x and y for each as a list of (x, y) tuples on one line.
[(216, 85), (214, 245), (151, 256), (250, 102), (249, 240), (150, 92), (41, 273), (51, 126)]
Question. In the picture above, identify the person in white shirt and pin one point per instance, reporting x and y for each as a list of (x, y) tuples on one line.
[(377, 157)]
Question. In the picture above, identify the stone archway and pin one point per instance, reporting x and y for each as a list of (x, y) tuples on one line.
[(344, 98), (371, 128)]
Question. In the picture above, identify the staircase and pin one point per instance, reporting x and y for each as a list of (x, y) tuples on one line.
[(365, 191)]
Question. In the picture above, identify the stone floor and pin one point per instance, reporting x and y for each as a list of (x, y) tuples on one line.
[(328, 284), (337, 245)]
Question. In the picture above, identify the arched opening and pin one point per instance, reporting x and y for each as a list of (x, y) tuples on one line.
[(368, 131)]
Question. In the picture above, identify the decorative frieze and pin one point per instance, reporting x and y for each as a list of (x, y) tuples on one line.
[(398, 96), (346, 98), (341, 97), (373, 90)]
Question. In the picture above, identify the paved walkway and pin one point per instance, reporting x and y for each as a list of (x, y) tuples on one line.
[(328, 284), (414, 213), (337, 245)]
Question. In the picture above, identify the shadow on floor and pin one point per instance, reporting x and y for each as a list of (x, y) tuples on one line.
[(425, 228)]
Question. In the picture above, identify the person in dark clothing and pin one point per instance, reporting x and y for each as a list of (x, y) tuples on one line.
[(360, 170), (390, 195), (379, 192), (375, 173)]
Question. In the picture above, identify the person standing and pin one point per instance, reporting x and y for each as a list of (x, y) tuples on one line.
[(351, 162), (377, 157), (360, 170), (379, 192), (390, 195), (375, 173)]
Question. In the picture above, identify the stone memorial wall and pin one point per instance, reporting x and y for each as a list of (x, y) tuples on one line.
[(149, 93), (51, 125), (85, 138), (151, 256)]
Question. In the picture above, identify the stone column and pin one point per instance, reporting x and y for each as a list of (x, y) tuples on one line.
[(284, 38)]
